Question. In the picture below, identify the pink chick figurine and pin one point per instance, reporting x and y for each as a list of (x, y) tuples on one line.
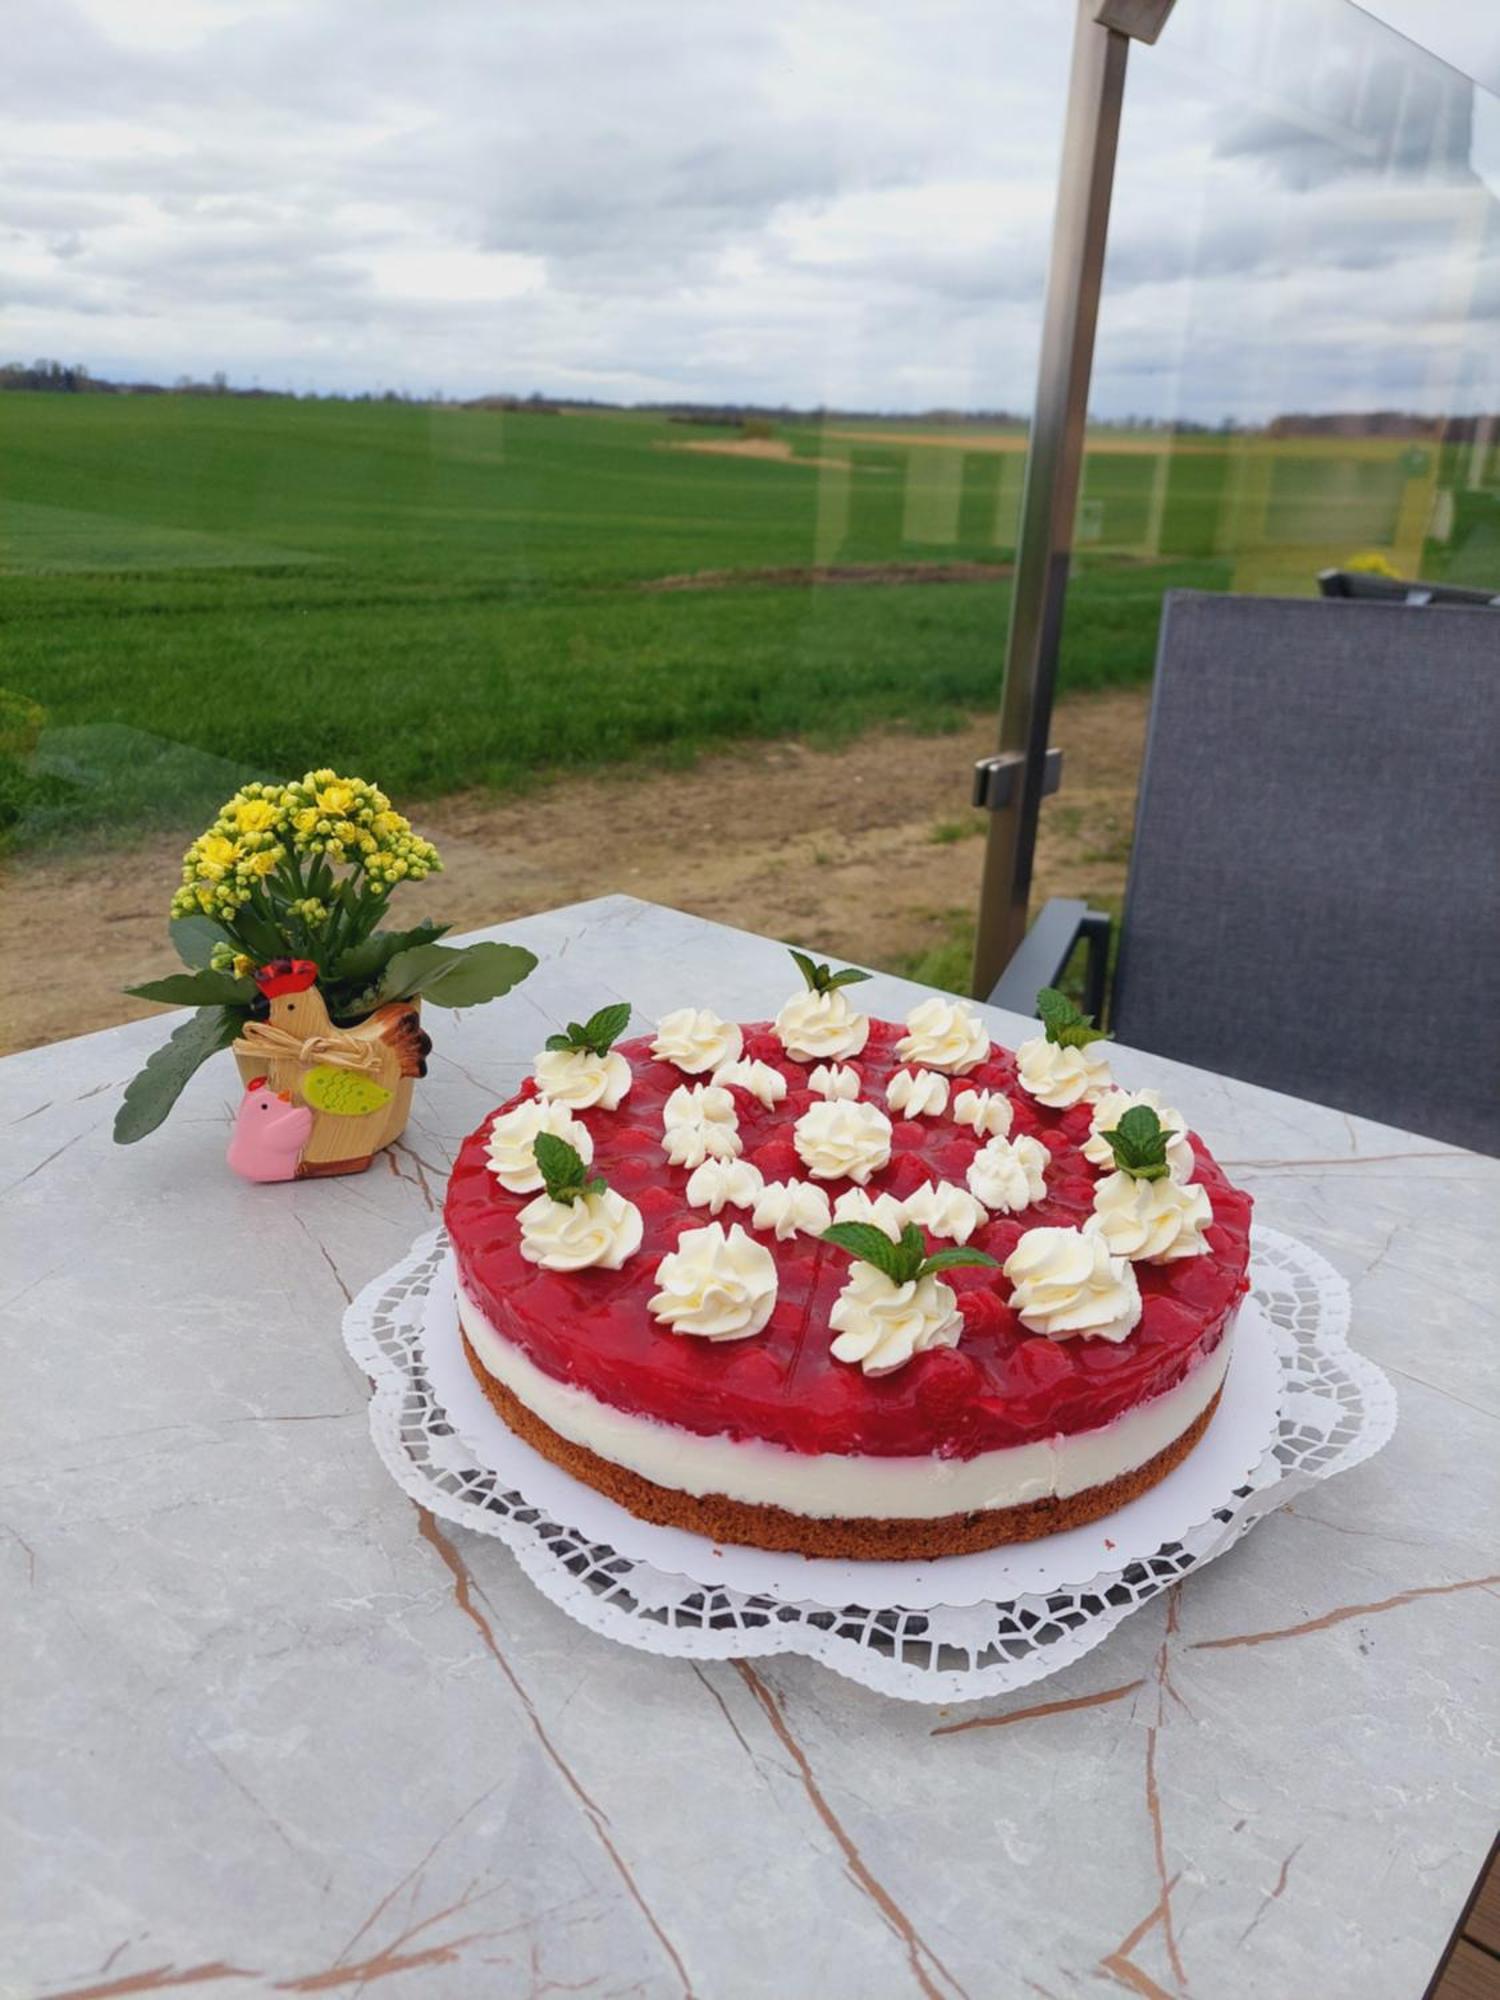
[(269, 1134)]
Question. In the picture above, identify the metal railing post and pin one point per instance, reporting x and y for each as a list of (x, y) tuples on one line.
[(1012, 784)]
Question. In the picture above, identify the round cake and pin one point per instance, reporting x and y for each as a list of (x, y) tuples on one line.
[(846, 1286)]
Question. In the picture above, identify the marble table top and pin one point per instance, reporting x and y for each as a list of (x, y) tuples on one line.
[(270, 1729)]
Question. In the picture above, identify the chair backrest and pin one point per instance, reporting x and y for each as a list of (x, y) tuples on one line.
[(1314, 897)]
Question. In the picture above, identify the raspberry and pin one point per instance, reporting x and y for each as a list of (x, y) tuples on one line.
[(1039, 1364), (984, 1315), (657, 1201), (747, 1106), (996, 1074), (777, 1160), (1166, 1322), (754, 1372), (1198, 1282), (947, 1385), (905, 1175), (1077, 1122), (1073, 1194), (1000, 1236)]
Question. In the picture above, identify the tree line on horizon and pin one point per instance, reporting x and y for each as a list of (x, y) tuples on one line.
[(49, 376)]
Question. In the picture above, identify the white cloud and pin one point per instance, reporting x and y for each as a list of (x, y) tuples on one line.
[(840, 200)]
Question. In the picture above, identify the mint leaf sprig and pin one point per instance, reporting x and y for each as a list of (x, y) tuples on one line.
[(1067, 1026), (904, 1261), (564, 1174), (595, 1036), (1139, 1144), (822, 978)]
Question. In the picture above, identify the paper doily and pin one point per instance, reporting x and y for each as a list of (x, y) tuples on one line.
[(1336, 1409)]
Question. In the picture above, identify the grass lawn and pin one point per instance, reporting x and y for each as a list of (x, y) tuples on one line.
[(198, 590)]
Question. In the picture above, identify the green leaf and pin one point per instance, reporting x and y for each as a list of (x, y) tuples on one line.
[(949, 1260), (822, 978), (258, 938), (602, 1030), (195, 938), (1139, 1144), (196, 989), (150, 1095), (1067, 1026), (869, 1244), (364, 962), (806, 967), (597, 1035), (564, 1174), (901, 1262), (465, 977)]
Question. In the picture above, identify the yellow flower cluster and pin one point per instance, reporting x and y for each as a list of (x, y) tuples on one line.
[(244, 845), (322, 818), (346, 819)]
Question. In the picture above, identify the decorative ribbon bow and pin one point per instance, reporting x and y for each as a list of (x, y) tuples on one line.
[(263, 1039)]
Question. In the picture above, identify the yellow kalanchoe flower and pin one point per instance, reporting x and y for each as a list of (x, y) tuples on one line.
[(322, 817), (256, 815)]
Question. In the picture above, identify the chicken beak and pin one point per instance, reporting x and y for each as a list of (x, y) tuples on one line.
[(285, 1096)]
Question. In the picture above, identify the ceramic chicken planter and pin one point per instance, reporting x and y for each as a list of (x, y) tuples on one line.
[(320, 1099), (328, 1037)]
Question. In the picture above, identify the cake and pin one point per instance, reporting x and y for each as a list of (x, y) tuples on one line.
[(845, 1286)]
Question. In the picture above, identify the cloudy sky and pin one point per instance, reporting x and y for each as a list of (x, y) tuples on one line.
[(805, 200)]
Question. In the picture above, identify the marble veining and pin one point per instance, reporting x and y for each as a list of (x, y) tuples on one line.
[(272, 1729)]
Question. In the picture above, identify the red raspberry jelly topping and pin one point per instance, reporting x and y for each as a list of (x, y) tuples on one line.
[(1002, 1385)]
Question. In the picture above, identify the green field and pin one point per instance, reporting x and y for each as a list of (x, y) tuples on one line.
[(197, 590)]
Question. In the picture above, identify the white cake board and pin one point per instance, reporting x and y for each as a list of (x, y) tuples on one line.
[(1218, 1467)]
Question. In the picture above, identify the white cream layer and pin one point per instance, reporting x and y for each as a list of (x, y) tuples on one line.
[(828, 1486)]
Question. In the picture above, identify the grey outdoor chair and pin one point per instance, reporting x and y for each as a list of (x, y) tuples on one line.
[(1314, 892)]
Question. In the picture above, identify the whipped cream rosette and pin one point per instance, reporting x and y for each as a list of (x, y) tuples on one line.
[(582, 1067), (1111, 1108), (944, 1209), (1156, 1222), (695, 1039), (1142, 1211), (512, 1142), (724, 1183), (1068, 1282), (917, 1093), (699, 1123), (718, 1284), (822, 1022), (857, 1204), (763, 1082), (837, 1140), (579, 1222), (894, 1305), (792, 1208), (944, 1034), (989, 1112), (1008, 1175), (1066, 1064), (583, 1078), (834, 1080)]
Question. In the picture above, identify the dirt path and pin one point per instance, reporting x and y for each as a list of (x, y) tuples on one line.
[(776, 450), (863, 853), (836, 574)]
